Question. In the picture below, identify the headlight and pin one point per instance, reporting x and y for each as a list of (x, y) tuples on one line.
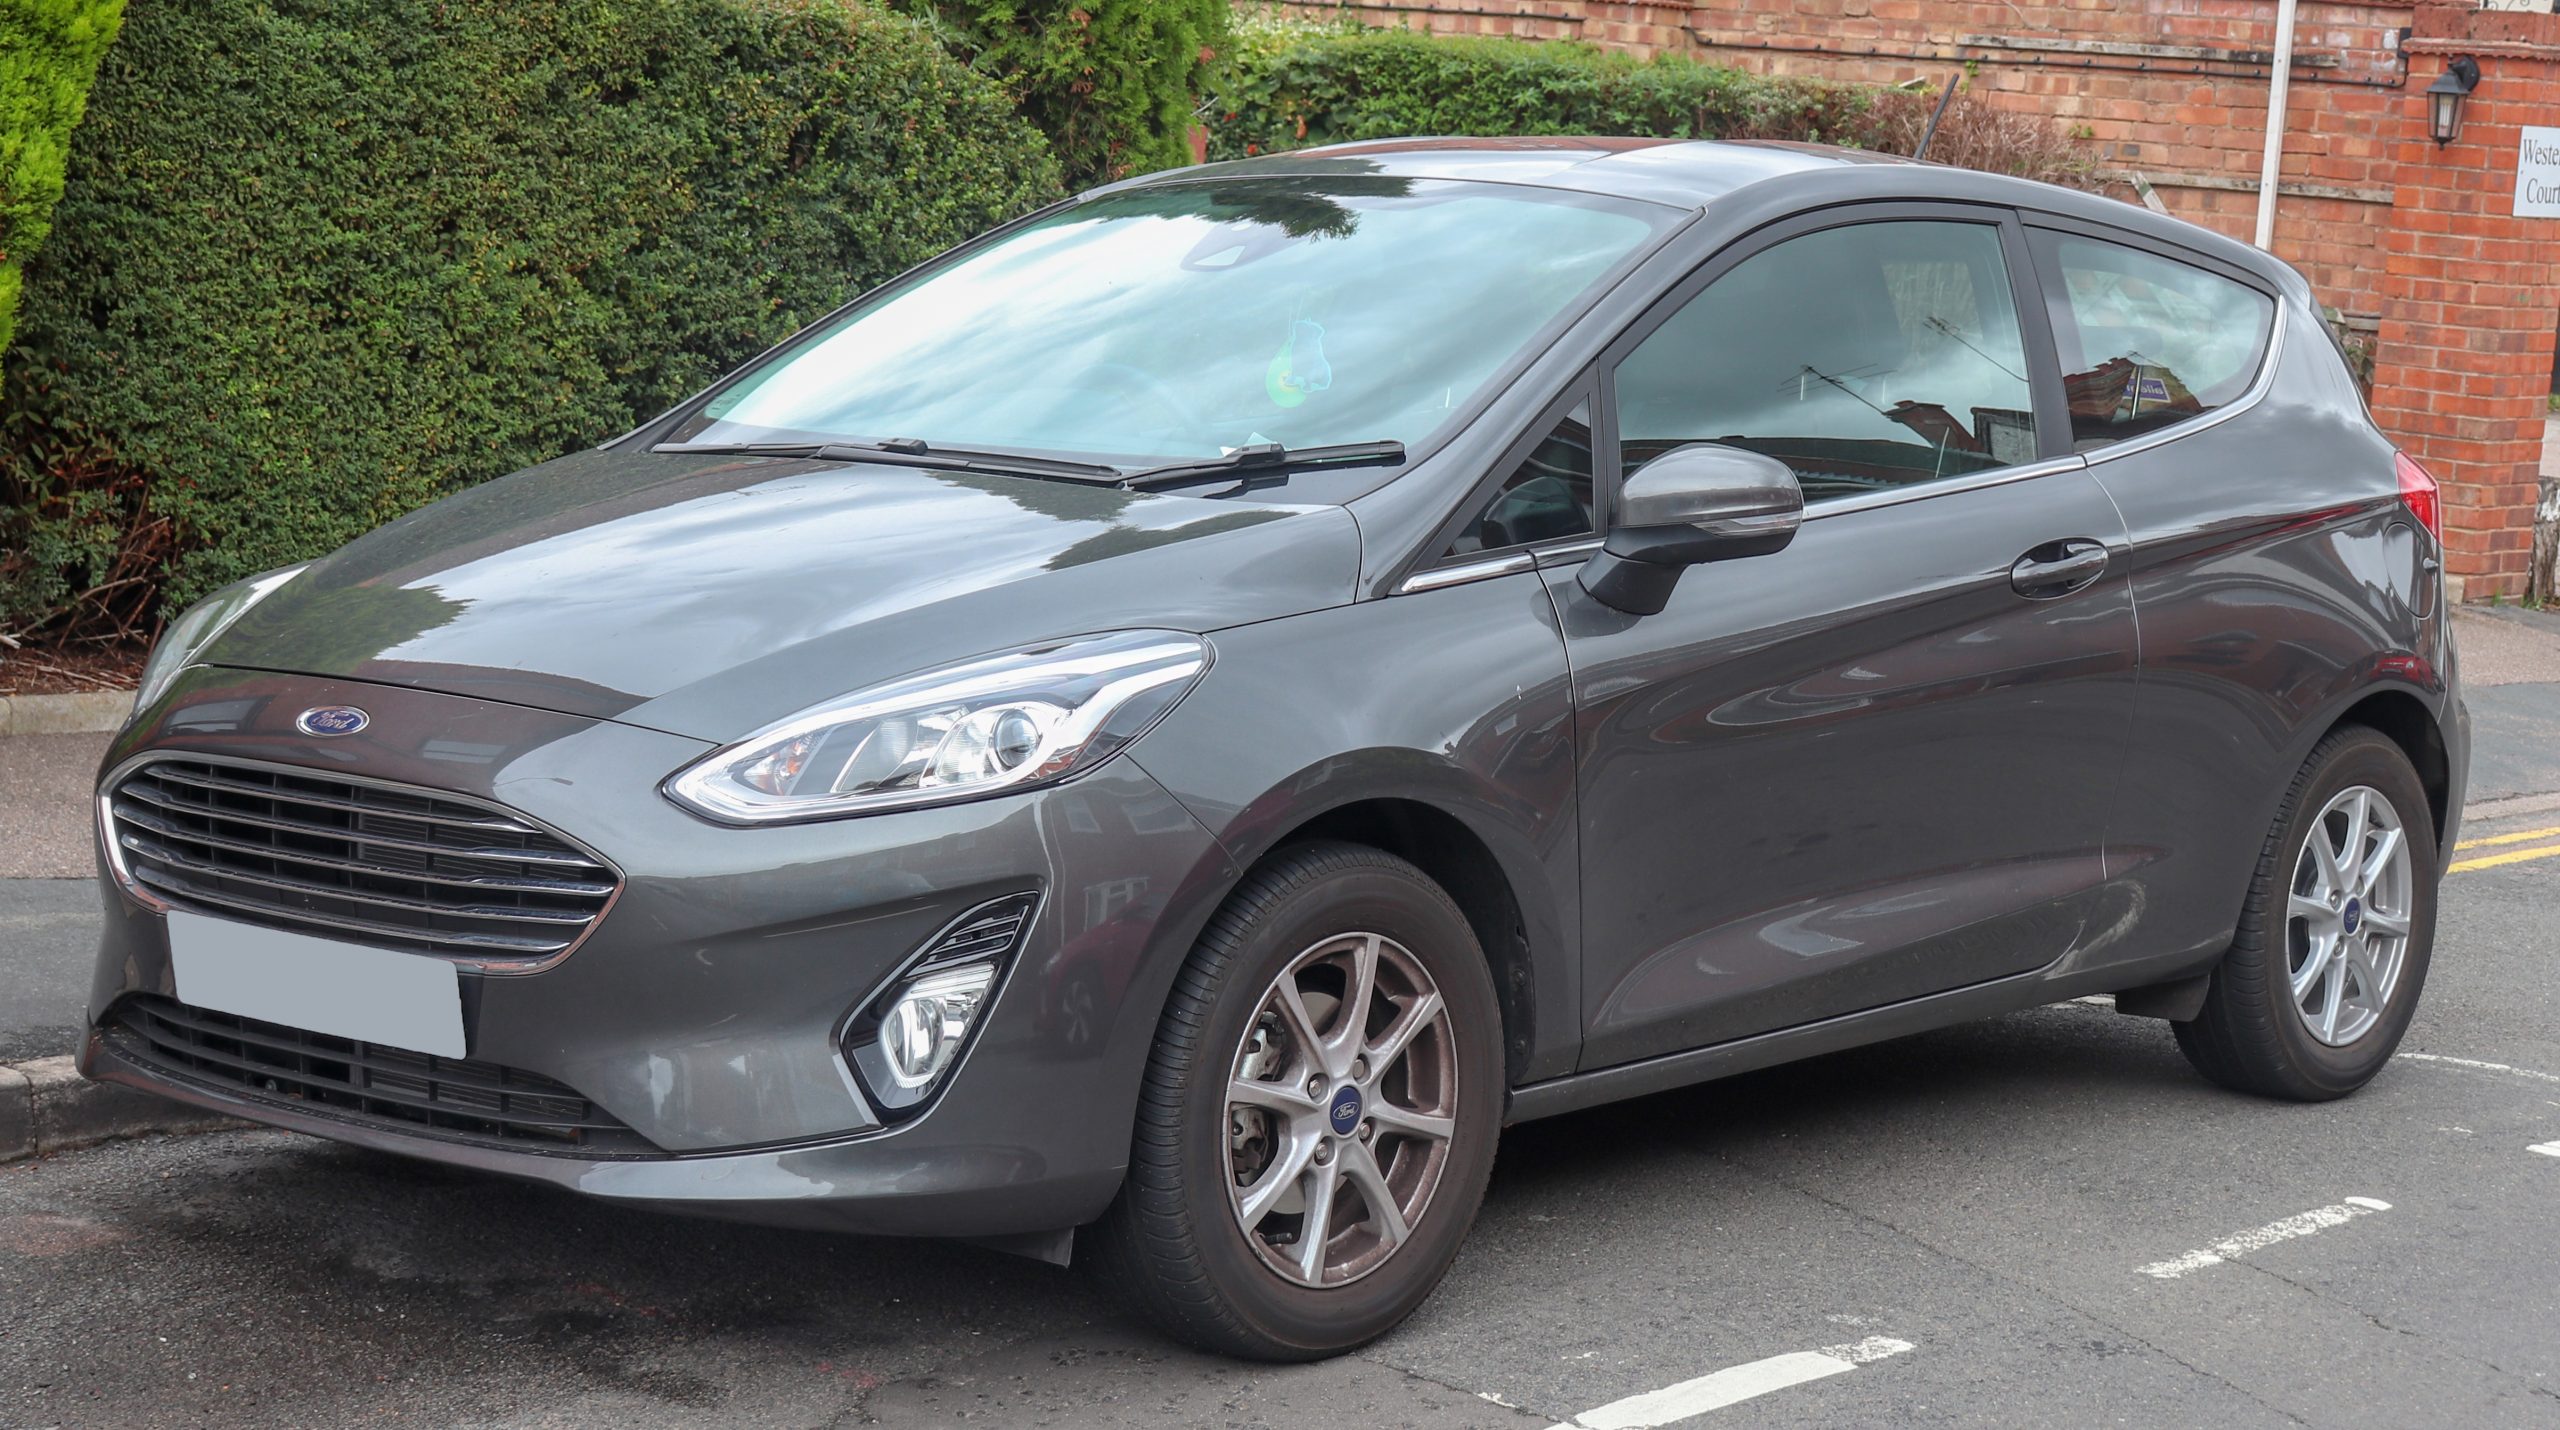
[(1003, 722), (196, 629)]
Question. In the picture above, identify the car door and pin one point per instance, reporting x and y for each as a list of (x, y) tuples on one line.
[(1877, 764), (2272, 568)]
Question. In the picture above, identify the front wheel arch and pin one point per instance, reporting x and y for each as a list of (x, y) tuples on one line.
[(1466, 868)]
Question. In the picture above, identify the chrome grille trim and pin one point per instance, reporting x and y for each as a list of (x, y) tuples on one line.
[(317, 852)]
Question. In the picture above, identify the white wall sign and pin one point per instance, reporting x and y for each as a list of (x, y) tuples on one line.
[(2538, 173)]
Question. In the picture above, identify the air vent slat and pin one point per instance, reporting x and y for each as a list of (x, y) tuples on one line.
[(354, 803), (993, 931), (501, 883), (217, 814), (193, 864)]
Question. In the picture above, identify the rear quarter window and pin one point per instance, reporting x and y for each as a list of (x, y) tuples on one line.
[(2147, 342)]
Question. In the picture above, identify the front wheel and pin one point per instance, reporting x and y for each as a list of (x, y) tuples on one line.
[(2333, 943), (1320, 1112)]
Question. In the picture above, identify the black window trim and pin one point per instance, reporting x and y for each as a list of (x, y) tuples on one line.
[(2157, 246), (2035, 332), (1448, 569), (2044, 227)]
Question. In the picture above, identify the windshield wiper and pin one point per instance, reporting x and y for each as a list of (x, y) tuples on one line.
[(1260, 460), (915, 452)]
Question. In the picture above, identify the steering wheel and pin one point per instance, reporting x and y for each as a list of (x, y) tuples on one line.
[(1137, 379)]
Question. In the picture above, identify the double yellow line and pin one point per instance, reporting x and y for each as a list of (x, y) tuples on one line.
[(2505, 855)]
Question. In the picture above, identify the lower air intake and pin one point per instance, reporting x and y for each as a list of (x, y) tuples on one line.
[(448, 1099)]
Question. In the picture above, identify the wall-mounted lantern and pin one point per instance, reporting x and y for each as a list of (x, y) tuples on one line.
[(2445, 96)]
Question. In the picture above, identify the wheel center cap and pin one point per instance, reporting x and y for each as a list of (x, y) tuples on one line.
[(2351, 915), (1343, 1115)]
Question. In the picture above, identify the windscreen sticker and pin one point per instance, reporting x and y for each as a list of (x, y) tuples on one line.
[(1299, 368)]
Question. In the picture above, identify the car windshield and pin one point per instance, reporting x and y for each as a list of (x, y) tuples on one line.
[(1188, 319)]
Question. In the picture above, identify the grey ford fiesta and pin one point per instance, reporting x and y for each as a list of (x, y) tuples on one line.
[(1159, 733)]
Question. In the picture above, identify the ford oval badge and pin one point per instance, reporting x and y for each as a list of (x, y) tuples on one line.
[(1345, 1111), (327, 720)]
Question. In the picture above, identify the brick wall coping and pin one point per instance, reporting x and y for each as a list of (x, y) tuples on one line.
[(2497, 49)]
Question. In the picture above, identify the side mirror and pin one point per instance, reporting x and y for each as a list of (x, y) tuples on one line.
[(1702, 502)]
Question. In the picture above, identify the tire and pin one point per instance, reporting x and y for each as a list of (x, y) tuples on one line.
[(2257, 1033), (1175, 1244)]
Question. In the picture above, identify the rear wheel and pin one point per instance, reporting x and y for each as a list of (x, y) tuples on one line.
[(1319, 1115), (2333, 943)]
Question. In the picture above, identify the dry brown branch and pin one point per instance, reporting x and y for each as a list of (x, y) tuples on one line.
[(1978, 133)]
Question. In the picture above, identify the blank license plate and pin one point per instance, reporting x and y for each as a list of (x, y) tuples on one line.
[(374, 995)]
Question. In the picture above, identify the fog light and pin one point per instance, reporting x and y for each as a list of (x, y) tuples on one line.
[(928, 1020), (905, 1039)]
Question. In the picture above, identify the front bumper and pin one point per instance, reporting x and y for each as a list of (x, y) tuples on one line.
[(702, 1012)]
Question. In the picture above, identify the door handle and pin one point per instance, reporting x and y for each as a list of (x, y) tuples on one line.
[(2058, 568)]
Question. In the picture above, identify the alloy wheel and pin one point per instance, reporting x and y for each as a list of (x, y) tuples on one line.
[(1341, 1100), (2348, 917)]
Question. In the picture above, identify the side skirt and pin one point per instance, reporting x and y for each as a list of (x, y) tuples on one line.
[(1832, 1035)]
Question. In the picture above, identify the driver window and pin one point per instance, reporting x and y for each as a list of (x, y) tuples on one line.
[(1865, 357), (1546, 498)]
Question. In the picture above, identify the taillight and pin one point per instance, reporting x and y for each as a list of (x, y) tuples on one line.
[(2418, 493)]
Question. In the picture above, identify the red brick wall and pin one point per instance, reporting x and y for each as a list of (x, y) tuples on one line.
[(2469, 292)]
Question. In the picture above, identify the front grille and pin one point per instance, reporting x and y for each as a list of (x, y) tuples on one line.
[(450, 1099), (395, 867)]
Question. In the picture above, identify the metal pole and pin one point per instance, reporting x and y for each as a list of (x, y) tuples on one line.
[(1940, 112), (2272, 162)]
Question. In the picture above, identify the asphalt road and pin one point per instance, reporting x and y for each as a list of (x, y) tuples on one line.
[(2013, 1222)]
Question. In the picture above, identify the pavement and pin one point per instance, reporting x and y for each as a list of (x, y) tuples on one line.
[(2042, 1218), (45, 781), (48, 891), (2511, 680), (48, 935)]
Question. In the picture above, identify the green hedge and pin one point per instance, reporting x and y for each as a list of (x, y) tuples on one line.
[(1287, 87), (1111, 82), (321, 262), (49, 49)]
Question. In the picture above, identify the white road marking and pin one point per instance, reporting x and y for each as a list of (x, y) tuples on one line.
[(2547, 1149), (1873, 1348), (2478, 1066), (1732, 1385), (2317, 1219)]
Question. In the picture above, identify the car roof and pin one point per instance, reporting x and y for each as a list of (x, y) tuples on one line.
[(1683, 173), (1695, 173)]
